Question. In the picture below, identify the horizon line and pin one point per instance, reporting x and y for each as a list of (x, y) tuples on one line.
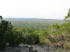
[(30, 18)]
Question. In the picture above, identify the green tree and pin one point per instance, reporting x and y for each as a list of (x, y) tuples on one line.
[(14, 38), (54, 36), (68, 15), (1, 17), (5, 26), (31, 38)]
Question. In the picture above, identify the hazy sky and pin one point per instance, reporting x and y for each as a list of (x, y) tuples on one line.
[(55, 9)]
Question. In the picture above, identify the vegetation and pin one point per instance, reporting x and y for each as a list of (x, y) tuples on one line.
[(34, 32), (68, 15), (14, 37)]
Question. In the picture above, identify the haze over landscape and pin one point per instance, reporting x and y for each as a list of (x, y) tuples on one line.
[(44, 9), (34, 25)]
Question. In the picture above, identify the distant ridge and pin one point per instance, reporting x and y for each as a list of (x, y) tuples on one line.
[(21, 18), (29, 19)]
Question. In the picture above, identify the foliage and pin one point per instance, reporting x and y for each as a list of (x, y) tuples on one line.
[(58, 35), (5, 27), (33, 32), (68, 15), (8, 35)]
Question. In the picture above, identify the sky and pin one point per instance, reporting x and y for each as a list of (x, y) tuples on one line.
[(46, 9)]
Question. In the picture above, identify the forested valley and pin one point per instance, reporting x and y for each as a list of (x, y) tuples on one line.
[(55, 33)]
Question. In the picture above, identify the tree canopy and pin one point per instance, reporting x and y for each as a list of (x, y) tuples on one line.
[(68, 15)]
